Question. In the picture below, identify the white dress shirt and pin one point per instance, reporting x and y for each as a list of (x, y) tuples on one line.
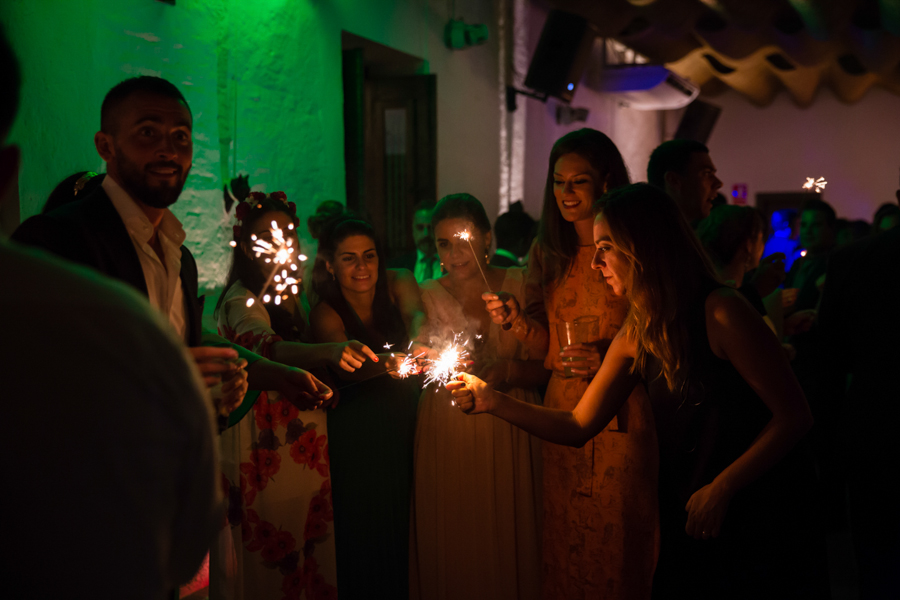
[(163, 280), (422, 272)]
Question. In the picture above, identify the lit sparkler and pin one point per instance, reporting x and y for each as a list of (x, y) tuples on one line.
[(449, 363), (465, 235), (280, 253), (408, 366), (815, 184)]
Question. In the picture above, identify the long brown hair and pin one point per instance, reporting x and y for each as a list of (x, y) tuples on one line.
[(668, 270), (556, 236)]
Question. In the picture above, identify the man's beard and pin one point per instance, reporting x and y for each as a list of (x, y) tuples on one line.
[(426, 246), (135, 181)]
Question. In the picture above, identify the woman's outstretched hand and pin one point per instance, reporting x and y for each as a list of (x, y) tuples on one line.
[(706, 511), (351, 355), (471, 394), (503, 307), (304, 390)]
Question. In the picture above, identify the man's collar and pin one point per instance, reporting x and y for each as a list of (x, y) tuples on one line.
[(136, 221), (420, 256), (509, 255)]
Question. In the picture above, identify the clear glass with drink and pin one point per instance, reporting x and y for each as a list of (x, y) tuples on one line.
[(583, 330)]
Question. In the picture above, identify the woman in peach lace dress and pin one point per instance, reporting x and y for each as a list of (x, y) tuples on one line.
[(600, 534)]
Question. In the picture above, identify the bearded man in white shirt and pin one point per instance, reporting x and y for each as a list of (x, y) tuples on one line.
[(125, 230)]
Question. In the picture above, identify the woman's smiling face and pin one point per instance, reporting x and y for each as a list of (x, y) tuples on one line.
[(455, 253), (575, 185), (355, 265)]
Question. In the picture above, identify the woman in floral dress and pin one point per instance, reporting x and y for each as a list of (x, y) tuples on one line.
[(278, 538)]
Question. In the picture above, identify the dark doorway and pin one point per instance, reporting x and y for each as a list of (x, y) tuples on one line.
[(390, 137)]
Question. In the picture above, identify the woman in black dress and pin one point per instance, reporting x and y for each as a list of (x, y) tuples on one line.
[(371, 429), (733, 515)]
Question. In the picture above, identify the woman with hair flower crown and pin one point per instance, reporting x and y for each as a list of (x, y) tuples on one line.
[(275, 461)]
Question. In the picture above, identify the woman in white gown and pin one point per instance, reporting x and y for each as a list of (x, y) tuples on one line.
[(462, 462)]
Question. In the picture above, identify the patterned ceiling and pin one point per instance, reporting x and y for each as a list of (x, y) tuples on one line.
[(760, 47)]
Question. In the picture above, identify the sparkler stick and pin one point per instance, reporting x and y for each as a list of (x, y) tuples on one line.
[(407, 367), (465, 235)]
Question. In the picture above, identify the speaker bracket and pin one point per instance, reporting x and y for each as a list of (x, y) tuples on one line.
[(512, 92)]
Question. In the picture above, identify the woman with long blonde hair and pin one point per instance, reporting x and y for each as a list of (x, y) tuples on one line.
[(734, 519)]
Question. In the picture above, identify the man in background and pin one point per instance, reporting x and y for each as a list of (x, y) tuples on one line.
[(514, 231), (684, 169), (423, 262)]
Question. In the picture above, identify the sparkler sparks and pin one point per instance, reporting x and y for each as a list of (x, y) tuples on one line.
[(815, 184), (280, 253), (449, 363), (408, 366)]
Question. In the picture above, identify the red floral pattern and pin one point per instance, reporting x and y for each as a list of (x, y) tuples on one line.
[(276, 542), (278, 546), (307, 450), (263, 535), (285, 412)]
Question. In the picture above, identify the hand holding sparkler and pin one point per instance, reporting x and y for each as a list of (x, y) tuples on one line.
[(303, 389), (503, 308), (401, 366), (472, 395), (465, 235), (350, 355)]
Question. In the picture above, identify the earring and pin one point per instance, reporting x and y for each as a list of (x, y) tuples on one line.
[(487, 259), (332, 277)]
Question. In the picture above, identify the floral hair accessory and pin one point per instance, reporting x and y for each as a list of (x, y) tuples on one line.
[(253, 201)]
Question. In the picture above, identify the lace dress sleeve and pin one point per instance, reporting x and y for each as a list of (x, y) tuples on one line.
[(534, 287), (246, 326)]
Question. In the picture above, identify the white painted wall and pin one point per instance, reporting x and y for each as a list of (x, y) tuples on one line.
[(774, 149), (284, 59)]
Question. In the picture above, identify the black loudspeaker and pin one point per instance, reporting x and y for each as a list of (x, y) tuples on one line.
[(561, 55), (698, 121)]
